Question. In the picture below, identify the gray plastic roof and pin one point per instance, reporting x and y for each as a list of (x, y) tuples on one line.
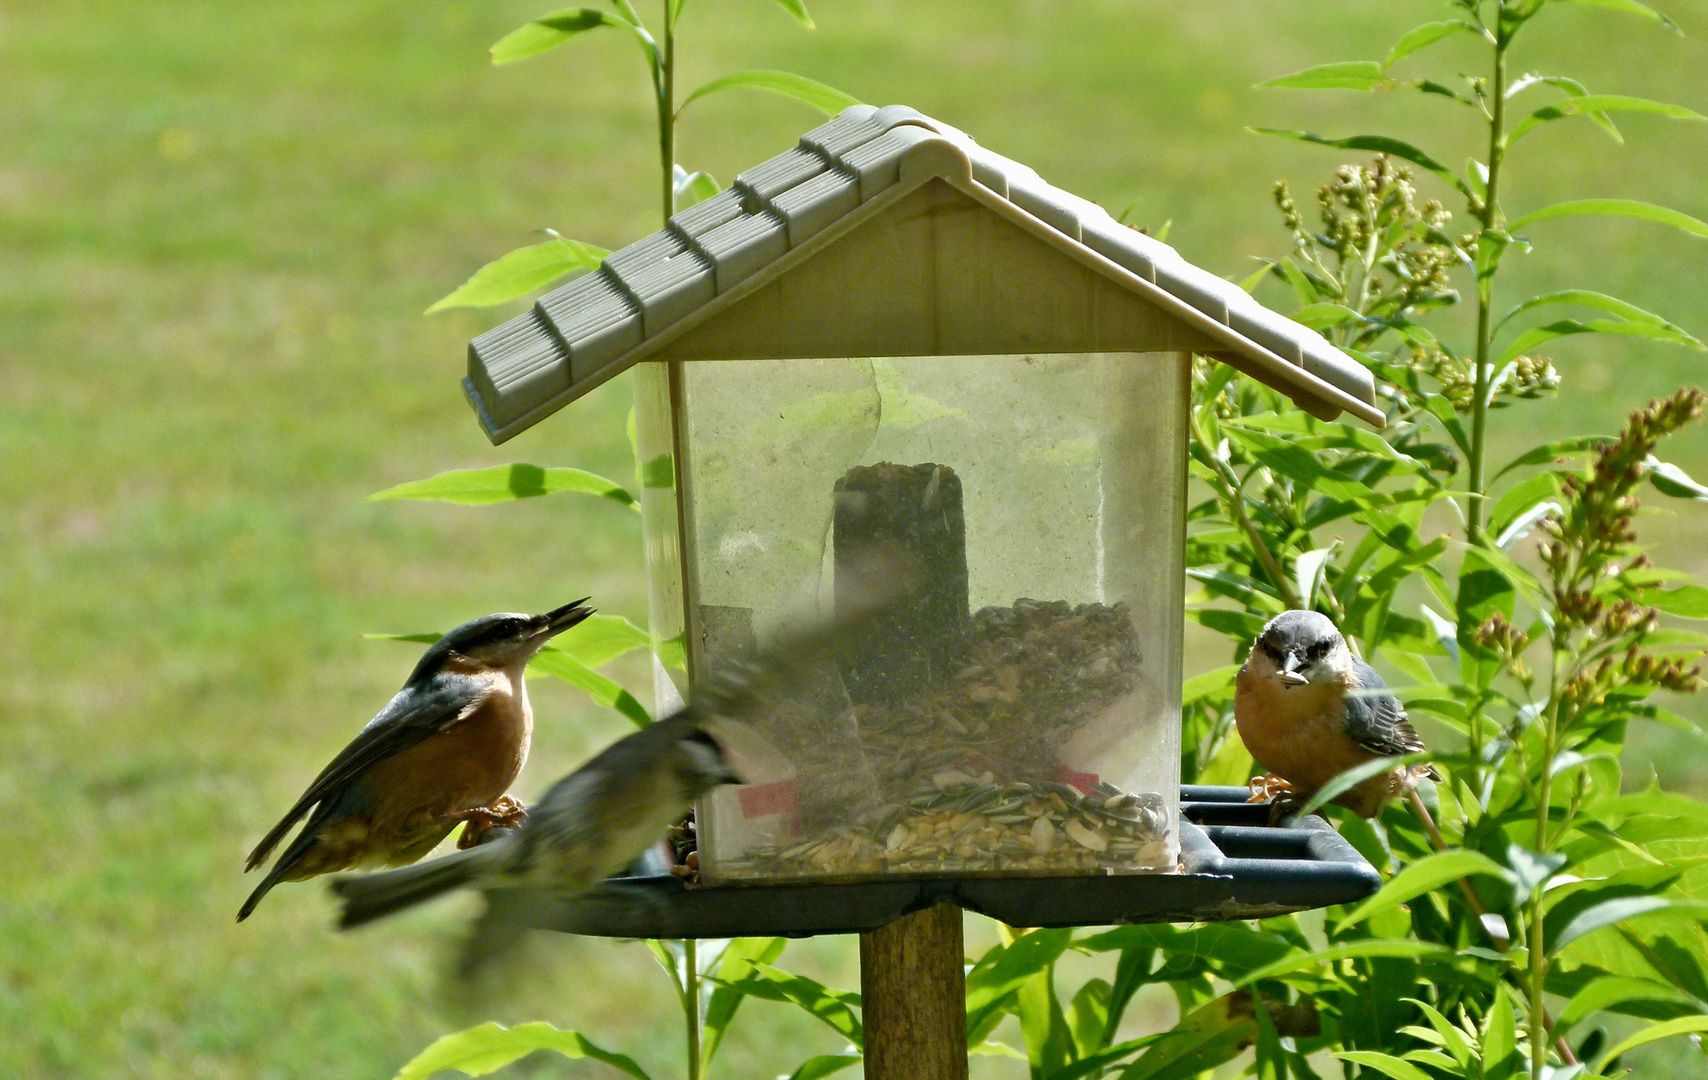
[(582, 334)]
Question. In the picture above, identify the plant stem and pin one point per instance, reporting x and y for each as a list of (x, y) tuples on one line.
[(691, 1003), (666, 89), (1485, 293), (1230, 493)]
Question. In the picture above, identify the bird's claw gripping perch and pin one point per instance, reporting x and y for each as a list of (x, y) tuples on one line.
[(506, 812), (1268, 788)]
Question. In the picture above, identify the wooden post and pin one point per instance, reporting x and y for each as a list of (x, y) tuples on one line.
[(915, 998)]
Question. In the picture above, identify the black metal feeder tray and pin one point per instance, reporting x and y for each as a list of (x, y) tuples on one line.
[(1235, 865)]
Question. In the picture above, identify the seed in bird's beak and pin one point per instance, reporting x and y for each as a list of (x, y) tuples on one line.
[(557, 620), (1290, 676)]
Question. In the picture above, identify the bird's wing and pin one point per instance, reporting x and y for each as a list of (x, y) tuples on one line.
[(414, 714), (1375, 719)]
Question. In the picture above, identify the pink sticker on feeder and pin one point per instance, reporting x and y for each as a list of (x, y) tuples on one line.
[(767, 800), (1084, 781)]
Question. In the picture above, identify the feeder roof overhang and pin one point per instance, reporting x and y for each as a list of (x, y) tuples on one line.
[(859, 242)]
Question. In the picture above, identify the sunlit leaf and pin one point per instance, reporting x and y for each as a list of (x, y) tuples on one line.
[(1404, 948), (1684, 1025), (1419, 37), (1010, 968), (519, 273), (1553, 451), (824, 1065), (1671, 480), (599, 639), (1211, 682), (1630, 208), (691, 188), (1536, 335), (1611, 304), (1351, 778), (1613, 990), (826, 99), (1386, 1064), (560, 665), (1613, 912), (798, 9), (833, 1007), (1598, 103), (550, 31), (1378, 144), (1205, 1038), (1629, 7), (502, 483), (1425, 875), (482, 1050), (1687, 601), (1346, 75)]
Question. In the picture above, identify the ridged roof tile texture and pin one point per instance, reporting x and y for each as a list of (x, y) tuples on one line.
[(520, 371)]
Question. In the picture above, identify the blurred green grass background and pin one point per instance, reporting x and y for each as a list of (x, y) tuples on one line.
[(219, 225)]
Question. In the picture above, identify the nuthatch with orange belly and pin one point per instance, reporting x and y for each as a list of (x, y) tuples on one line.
[(599, 819), (1308, 710), (442, 753)]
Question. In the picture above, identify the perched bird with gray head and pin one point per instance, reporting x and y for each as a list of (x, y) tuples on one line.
[(598, 820), (443, 752), (1308, 710)]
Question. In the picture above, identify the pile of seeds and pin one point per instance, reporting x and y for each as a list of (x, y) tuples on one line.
[(1036, 674), (984, 827)]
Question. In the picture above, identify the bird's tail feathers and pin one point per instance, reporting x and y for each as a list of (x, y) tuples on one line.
[(367, 897)]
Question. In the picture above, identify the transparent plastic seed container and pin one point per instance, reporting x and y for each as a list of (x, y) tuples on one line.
[(1020, 713)]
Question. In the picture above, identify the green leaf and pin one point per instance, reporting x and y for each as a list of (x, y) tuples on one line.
[(1686, 601), (1011, 967), (550, 31), (1500, 1040), (1419, 37), (826, 99), (1598, 103), (1612, 990), (690, 188), (798, 9), (1425, 875), (1672, 480), (502, 483), (1629, 7), (1613, 912), (1354, 776), (1684, 1025), (521, 272), (1205, 1038), (833, 1007), (1346, 75), (1379, 144), (1536, 335), (1386, 1064), (1611, 304), (1522, 498), (1630, 208), (1231, 765), (1405, 948), (481, 1050), (823, 1065), (599, 639), (1553, 451), (1211, 682), (734, 963), (560, 665), (1308, 571)]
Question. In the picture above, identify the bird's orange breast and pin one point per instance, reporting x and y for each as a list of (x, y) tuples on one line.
[(1298, 734), (468, 765)]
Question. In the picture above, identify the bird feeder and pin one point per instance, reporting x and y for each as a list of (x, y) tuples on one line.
[(890, 351)]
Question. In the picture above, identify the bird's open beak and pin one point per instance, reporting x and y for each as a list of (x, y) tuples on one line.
[(557, 620), (1290, 676)]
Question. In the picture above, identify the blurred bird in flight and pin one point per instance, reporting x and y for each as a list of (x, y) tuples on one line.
[(1308, 710), (443, 752)]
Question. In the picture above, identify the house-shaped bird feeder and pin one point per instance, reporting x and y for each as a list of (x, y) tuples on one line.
[(890, 343)]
